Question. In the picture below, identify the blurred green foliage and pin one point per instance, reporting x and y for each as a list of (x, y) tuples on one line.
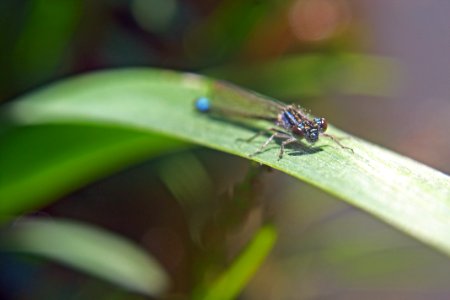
[(195, 211), (49, 39)]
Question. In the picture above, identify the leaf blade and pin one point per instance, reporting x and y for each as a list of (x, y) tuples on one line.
[(402, 192), (88, 249)]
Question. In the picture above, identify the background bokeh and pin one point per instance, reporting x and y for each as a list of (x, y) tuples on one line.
[(377, 69)]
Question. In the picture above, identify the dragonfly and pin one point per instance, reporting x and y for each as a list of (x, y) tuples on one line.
[(291, 122)]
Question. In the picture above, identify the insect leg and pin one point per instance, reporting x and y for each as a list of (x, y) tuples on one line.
[(275, 135), (261, 132), (337, 141), (284, 143)]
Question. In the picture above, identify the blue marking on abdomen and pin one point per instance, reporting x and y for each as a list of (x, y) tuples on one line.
[(203, 104), (288, 120)]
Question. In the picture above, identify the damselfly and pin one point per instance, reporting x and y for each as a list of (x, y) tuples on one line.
[(291, 122)]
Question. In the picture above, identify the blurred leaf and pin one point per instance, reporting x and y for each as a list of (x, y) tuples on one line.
[(314, 75), (90, 250), (43, 162), (224, 32), (233, 280), (155, 15), (398, 190), (186, 178), (46, 34)]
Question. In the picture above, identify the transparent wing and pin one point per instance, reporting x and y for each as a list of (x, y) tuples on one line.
[(227, 99)]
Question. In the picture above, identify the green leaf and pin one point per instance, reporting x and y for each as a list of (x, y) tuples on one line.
[(43, 162), (49, 26), (88, 249), (233, 280), (409, 195), (314, 75)]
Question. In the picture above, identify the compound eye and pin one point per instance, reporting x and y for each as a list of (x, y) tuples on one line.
[(322, 123), (313, 136)]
